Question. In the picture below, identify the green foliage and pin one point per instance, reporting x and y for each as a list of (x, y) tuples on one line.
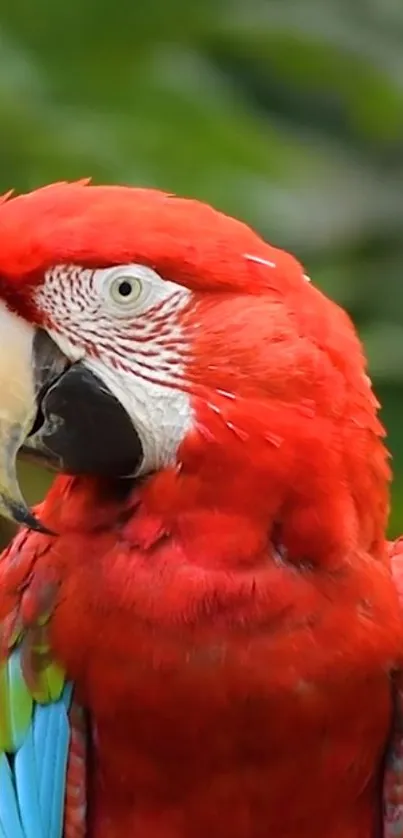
[(286, 113)]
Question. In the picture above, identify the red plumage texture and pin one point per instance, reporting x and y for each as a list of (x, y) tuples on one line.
[(74, 825), (187, 241), (231, 623)]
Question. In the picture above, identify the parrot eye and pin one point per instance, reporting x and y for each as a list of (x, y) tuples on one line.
[(125, 290)]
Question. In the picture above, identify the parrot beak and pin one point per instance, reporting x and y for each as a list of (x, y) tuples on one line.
[(19, 387), (56, 413)]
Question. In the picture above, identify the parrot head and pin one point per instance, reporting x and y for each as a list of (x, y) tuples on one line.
[(149, 337)]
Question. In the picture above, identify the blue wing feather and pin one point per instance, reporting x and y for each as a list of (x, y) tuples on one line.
[(10, 823), (51, 761), (41, 734), (60, 763), (26, 785), (33, 779)]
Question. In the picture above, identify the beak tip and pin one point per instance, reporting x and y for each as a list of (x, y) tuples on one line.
[(23, 516), (33, 523)]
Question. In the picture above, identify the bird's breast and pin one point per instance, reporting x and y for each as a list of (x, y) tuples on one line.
[(234, 736)]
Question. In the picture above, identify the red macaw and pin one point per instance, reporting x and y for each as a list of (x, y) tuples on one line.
[(209, 577)]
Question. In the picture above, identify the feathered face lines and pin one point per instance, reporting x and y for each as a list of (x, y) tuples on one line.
[(169, 305), (139, 334)]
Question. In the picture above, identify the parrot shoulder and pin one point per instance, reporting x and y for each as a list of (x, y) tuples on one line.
[(42, 729)]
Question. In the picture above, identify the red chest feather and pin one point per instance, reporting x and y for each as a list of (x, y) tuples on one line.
[(250, 703)]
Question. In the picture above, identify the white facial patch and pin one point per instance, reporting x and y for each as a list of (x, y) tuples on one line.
[(124, 323)]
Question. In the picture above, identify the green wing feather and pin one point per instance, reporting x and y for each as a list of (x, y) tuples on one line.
[(15, 704), (27, 675), (36, 738)]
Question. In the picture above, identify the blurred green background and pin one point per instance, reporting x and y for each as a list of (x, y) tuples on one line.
[(286, 113)]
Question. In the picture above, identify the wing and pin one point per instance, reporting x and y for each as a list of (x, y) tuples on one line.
[(393, 777), (42, 729)]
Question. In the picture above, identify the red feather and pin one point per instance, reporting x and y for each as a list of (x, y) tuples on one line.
[(232, 622)]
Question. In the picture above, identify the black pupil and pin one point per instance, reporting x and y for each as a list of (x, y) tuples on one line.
[(125, 288)]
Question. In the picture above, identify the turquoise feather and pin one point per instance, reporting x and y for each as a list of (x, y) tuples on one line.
[(33, 782), (10, 822), (24, 775)]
